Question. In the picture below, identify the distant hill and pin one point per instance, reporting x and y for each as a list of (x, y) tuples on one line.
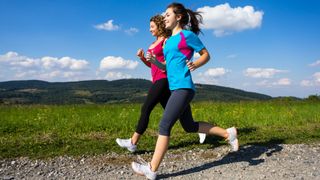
[(103, 91)]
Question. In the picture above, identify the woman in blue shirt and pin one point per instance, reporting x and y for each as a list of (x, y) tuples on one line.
[(178, 50)]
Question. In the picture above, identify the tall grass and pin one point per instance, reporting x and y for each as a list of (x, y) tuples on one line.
[(45, 131)]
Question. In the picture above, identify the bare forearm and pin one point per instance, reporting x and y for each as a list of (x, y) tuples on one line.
[(203, 59)]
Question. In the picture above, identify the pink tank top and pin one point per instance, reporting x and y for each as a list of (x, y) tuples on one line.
[(156, 72)]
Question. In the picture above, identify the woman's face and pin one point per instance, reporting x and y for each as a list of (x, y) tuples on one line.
[(153, 29), (170, 19)]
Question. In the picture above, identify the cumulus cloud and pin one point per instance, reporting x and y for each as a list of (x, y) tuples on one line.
[(131, 31), (211, 75), (224, 20), (317, 63), (14, 59), (45, 68), (63, 63), (116, 75), (316, 77), (306, 83), (279, 82), (264, 83), (283, 82), (215, 72), (313, 81), (112, 62), (262, 72), (107, 26)]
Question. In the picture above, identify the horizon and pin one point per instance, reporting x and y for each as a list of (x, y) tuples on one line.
[(267, 47), (151, 82)]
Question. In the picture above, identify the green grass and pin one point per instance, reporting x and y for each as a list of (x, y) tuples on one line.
[(40, 131)]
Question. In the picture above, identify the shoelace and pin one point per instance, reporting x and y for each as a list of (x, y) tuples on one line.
[(140, 160)]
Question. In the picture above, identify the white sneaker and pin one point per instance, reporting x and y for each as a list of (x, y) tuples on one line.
[(232, 139), (202, 137), (126, 143), (143, 168)]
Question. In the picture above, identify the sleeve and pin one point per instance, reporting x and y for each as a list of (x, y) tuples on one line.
[(194, 42)]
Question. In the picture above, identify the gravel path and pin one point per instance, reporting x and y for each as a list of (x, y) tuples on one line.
[(297, 161)]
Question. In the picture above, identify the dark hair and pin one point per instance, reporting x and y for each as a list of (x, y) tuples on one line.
[(159, 21), (195, 17)]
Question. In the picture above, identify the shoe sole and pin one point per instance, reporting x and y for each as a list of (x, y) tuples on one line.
[(236, 141), (237, 144), (201, 141)]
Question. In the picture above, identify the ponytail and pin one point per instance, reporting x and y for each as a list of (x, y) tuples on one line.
[(190, 20), (194, 21)]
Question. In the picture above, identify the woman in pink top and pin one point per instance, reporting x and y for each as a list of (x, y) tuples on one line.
[(159, 91)]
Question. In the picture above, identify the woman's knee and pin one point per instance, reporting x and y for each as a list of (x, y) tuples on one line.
[(191, 128), (164, 128)]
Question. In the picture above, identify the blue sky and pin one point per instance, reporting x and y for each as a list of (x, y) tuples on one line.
[(266, 46)]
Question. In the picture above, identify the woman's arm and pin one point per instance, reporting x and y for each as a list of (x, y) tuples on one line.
[(152, 59), (203, 59)]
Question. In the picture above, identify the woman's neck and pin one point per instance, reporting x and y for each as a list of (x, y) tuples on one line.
[(160, 38), (176, 30)]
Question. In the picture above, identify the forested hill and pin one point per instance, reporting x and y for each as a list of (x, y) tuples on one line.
[(102, 91)]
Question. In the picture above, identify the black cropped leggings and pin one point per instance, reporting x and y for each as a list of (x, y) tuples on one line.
[(158, 92), (178, 107)]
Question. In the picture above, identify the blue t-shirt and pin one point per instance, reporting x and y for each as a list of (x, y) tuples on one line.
[(179, 48)]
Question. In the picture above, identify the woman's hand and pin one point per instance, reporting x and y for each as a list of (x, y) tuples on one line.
[(203, 59), (150, 57), (191, 65), (140, 53)]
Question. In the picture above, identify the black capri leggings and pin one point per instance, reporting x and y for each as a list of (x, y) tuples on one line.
[(158, 92), (178, 107)]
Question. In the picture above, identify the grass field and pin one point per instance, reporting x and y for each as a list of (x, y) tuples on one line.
[(41, 131)]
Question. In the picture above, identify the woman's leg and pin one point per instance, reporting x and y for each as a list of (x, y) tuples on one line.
[(208, 128), (177, 102), (189, 125), (154, 96)]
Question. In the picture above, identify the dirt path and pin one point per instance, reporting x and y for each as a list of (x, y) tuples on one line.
[(251, 162)]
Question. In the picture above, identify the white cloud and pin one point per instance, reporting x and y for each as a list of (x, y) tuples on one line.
[(283, 82), (25, 62), (63, 63), (131, 31), (117, 75), (215, 72), (211, 75), (24, 74), (13, 59), (73, 64), (112, 62), (317, 63), (45, 68), (306, 83), (262, 73), (265, 83), (225, 20), (280, 82), (10, 56), (314, 81), (316, 77), (108, 26)]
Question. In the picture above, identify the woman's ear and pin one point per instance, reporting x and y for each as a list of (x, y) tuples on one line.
[(178, 17)]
